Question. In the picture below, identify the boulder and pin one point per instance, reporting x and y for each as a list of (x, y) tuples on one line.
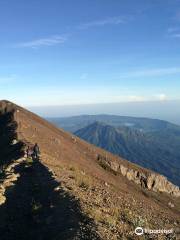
[(151, 181), (114, 165), (2, 199), (131, 175), (123, 170)]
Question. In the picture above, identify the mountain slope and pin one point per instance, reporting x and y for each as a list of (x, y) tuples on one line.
[(157, 150), (100, 196)]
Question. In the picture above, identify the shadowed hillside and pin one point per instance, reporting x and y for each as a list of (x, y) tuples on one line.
[(10, 148)]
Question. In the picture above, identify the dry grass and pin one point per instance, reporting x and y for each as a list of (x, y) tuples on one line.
[(96, 214), (99, 216), (83, 181), (133, 219)]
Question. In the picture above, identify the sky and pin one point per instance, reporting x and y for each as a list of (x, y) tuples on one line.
[(66, 52)]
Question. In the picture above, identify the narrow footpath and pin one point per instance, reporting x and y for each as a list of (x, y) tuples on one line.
[(34, 206)]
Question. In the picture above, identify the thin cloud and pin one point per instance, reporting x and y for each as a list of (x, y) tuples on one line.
[(135, 98), (162, 97), (173, 29), (174, 32), (50, 41), (152, 72), (7, 79), (139, 98), (176, 35), (103, 22), (60, 39)]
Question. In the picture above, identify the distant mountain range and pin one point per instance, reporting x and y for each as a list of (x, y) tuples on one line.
[(74, 123), (151, 143)]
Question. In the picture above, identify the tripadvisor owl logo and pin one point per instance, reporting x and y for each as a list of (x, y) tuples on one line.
[(139, 231)]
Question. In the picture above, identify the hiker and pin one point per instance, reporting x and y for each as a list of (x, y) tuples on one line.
[(29, 152), (36, 151)]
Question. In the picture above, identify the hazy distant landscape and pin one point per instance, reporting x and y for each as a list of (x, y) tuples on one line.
[(154, 144), (165, 110)]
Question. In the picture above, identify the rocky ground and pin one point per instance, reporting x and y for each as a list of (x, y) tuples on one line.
[(116, 215), (48, 202)]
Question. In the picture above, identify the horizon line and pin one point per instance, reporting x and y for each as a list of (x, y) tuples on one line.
[(103, 103)]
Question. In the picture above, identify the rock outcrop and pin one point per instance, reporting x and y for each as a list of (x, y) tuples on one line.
[(150, 180)]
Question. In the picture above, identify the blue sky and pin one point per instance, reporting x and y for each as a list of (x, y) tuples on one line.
[(58, 52)]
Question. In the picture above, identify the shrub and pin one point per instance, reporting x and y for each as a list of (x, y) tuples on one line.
[(84, 184), (72, 168)]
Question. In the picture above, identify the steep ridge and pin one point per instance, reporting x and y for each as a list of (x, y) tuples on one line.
[(118, 202)]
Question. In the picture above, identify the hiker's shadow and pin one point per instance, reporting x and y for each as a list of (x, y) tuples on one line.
[(37, 208)]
